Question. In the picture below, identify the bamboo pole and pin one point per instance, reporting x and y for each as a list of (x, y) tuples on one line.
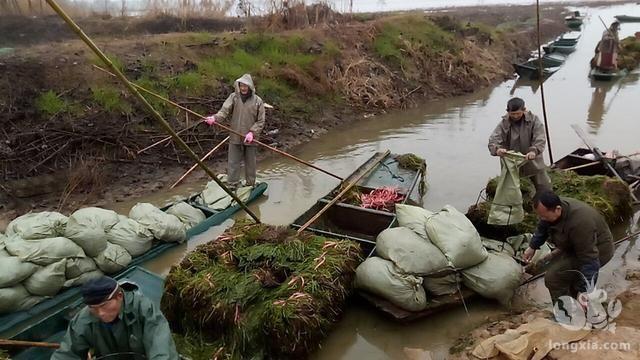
[(160, 97), (541, 79), (19, 343), (202, 159), (344, 191), (54, 5)]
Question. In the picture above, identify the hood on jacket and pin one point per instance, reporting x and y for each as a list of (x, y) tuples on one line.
[(245, 79)]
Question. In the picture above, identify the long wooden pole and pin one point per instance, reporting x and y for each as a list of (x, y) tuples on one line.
[(202, 159), (344, 191), (541, 79), (145, 103), (160, 97), (19, 343)]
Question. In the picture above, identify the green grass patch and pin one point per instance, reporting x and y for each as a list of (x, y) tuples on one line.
[(396, 35), (110, 99), (230, 67), (49, 104), (200, 37), (189, 81)]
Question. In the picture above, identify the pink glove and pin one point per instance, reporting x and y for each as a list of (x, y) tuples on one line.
[(248, 138), (210, 120)]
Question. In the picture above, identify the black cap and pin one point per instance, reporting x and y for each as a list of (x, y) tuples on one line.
[(98, 290)]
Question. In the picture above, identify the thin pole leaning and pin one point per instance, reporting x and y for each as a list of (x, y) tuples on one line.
[(202, 159), (160, 97), (145, 103), (541, 80)]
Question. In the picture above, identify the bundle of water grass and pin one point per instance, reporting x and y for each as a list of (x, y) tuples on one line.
[(259, 292), (609, 196)]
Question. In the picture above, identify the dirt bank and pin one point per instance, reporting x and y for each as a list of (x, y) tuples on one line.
[(599, 344), (71, 135)]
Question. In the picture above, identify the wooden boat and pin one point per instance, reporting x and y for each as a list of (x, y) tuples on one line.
[(627, 18), (553, 60), (348, 221), (575, 20), (583, 162), (15, 323), (344, 220), (601, 75), (53, 327), (560, 46), (531, 70)]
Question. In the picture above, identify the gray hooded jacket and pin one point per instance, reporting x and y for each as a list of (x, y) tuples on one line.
[(245, 116)]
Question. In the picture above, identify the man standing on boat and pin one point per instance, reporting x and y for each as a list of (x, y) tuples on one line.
[(606, 58), (583, 238), (520, 130), (247, 117), (117, 322)]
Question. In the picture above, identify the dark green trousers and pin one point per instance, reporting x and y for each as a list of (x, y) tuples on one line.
[(563, 278)]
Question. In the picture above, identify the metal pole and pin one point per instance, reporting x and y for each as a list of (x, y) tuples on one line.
[(541, 79), (145, 103)]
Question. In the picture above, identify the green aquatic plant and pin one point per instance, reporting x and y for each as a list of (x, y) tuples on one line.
[(611, 197), (260, 291)]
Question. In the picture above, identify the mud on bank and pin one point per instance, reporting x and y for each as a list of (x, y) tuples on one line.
[(71, 133)]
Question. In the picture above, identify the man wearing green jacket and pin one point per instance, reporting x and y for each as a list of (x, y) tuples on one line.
[(582, 235), (119, 323), (247, 116)]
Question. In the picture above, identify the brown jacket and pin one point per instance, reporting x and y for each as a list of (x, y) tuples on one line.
[(245, 116), (524, 136)]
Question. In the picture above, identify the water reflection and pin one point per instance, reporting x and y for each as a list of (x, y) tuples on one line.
[(599, 107), (533, 85)]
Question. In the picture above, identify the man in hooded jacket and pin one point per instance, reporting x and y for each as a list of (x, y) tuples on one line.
[(247, 113)]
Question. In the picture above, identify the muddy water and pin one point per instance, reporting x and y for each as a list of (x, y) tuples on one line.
[(451, 135)]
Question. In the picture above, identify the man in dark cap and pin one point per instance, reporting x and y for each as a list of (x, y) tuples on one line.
[(118, 322), (520, 130)]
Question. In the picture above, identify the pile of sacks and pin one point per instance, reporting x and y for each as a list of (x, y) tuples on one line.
[(43, 253), (414, 256)]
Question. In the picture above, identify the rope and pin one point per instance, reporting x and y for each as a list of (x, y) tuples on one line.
[(393, 175)]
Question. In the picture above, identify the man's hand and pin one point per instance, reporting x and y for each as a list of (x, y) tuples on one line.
[(501, 152), (531, 155), (210, 120), (528, 254), (248, 138)]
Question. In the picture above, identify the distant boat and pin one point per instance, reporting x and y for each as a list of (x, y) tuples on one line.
[(574, 21), (627, 18), (598, 74), (530, 69)]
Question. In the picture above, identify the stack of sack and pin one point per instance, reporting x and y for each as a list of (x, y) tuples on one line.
[(214, 197), (43, 253), (430, 254)]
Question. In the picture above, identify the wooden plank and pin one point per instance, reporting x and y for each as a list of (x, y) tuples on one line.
[(435, 305)]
